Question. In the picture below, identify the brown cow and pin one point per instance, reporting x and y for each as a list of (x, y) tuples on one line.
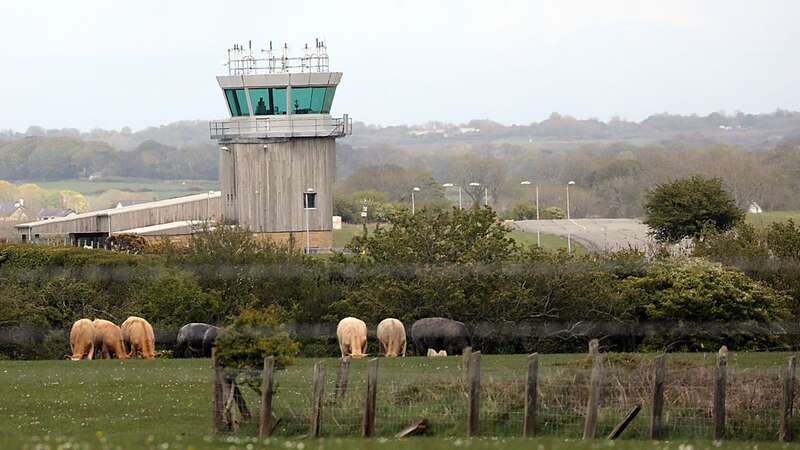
[(352, 334), (81, 340), (138, 335), (392, 337), (108, 338)]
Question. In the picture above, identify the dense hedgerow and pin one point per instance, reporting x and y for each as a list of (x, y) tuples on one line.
[(457, 264)]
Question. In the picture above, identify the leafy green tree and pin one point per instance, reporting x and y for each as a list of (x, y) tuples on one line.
[(683, 208), (521, 211), (553, 212), (253, 336), (436, 237), (784, 240)]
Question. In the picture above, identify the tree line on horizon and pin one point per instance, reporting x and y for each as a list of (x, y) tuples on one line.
[(381, 165)]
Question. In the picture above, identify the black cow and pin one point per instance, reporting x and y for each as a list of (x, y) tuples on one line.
[(439, 334), (196, 339)]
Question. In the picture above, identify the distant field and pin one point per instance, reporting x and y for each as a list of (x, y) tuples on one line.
[(166, 404), (549, 241), (767, 218), (157, 189)]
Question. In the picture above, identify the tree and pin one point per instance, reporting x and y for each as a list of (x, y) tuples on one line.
[(439, 237), (254, 335), (683, 208)]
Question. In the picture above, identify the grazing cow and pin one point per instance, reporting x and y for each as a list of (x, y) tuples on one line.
[(433, 353), (392, 338), (352, 334), (138, 335), (81, 340), (108, 339), (439, 334), (196, 339)]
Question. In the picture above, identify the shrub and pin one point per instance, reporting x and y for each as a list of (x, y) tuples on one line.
[(684, 208), (521, 211), (703, 305), (253, 336), (553, 212)]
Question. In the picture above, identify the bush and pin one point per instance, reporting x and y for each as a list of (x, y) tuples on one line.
[(684, 208), (253, 336), (521, 211), (703, 305), (553, 212)]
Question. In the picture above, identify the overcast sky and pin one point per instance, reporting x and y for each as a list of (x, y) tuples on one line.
[(110, 64)]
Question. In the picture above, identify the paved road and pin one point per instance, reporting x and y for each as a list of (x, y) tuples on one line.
[(594, 234)]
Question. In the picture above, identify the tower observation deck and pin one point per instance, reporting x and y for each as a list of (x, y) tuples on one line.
[(277, 149), (277, 96)]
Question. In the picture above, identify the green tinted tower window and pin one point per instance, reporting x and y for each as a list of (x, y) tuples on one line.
[(317, 99), (309, 100), (326, 104), (260, 99), (237, 103), (278, 99), (301, 100)]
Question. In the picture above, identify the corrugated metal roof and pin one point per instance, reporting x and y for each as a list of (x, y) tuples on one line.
[(190, 225), (127, 209)]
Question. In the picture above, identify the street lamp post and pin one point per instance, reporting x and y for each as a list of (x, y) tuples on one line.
[(449, 185), (538, 224), (485, 193), (569, 234), (413, 207)]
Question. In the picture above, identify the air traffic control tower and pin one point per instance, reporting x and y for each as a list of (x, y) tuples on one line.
[(277, 150)]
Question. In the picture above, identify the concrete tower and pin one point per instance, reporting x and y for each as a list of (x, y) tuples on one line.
[(277, 150)]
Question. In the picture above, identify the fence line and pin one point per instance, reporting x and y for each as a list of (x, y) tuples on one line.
[(601, 397)]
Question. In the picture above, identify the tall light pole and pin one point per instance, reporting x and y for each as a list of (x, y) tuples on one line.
[(449, 185), (414, 189), (485, 193), (571, 183), (538, 224), (569, 234)]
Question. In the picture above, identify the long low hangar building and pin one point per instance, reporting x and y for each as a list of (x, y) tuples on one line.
[(173, 217)]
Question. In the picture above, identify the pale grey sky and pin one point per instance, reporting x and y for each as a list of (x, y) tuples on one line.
[(109, 64)]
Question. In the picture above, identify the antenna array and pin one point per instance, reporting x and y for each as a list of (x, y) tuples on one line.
[(243, 61)]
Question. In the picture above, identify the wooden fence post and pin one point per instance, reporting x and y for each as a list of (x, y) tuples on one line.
[(231, 414), (368, 429), (341, 378), (216, 391), (474, 393), (789, 380), (531, 394), (658, 397), (318, 389), (720, 382), (466, 355), (265, 419), (595, 386)]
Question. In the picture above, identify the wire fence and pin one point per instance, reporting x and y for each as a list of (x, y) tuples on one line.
[(437, 391)]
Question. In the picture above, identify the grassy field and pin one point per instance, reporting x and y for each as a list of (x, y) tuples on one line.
[(767, 218), (166, 404), (157, 189), (549, 241)]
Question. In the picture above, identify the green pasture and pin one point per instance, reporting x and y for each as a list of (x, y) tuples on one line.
[(765, 219), (166, 403), (549, 241), (157, 189)]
